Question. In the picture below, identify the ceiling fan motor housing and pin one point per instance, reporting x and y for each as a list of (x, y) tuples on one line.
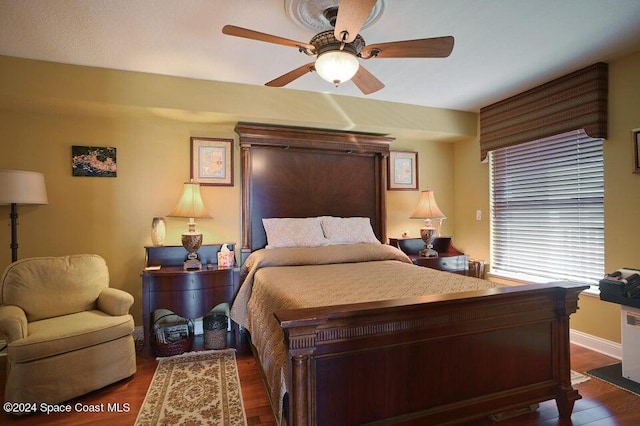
[(326, 41)]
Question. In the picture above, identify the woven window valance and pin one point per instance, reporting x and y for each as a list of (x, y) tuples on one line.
[(574, 101)]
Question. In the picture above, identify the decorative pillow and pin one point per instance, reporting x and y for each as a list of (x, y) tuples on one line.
[(294, 232), (348, 230)]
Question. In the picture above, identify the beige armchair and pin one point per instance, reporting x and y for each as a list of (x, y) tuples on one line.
[(67, 332)]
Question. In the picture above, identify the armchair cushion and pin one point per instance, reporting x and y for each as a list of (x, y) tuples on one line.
[(114, 301), (13, 323), (55, 336)]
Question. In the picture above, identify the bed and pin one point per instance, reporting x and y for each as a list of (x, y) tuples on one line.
[(456, 350)]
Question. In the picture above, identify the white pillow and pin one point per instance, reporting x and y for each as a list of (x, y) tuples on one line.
[(294, 232), (348, 230)]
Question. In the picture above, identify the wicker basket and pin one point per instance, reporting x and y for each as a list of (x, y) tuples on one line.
[(171, 348), (215, 331)]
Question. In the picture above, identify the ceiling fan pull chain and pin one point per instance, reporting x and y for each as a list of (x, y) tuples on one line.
[(345, 35)]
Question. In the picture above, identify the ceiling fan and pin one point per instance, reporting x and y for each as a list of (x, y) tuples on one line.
[(338, 51)]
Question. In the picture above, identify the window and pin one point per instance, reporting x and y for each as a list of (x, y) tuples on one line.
[(547, 209)]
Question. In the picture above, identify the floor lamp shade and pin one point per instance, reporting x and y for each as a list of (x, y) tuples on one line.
[(20, 187)]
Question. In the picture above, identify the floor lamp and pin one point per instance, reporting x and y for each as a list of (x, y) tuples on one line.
[(20, 187)]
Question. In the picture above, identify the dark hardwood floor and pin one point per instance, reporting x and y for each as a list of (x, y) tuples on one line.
[(601, 403)]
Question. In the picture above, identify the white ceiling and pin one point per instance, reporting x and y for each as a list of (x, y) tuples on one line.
[(501, 47)]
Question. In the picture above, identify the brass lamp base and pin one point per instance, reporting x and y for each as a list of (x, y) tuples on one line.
[(192, 264), (428, 234), (428, 252), (191, 243)]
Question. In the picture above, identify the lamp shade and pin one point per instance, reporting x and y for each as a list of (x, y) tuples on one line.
[(337, 66), (427, 207), (190, 203), (22, 187)]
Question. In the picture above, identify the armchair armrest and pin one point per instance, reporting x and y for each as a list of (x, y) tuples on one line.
[(13, 323), (114, 301)]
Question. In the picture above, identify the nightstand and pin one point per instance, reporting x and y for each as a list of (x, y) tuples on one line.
[(189, 294), (449, 258)]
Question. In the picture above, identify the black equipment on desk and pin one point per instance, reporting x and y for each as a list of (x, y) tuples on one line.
[(624, 282)]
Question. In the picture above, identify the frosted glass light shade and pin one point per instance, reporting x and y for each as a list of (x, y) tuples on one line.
[(337, 66)]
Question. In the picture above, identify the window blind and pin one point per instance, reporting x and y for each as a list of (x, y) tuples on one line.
[(547, 209)]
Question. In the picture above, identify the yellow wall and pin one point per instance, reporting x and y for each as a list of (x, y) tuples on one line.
[(46, 108), (435, 172), (622, 197)]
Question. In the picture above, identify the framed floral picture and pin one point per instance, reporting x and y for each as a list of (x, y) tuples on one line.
[(212, 161), (635, 136), (402, 171)]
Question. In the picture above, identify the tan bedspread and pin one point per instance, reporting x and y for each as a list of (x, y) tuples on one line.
[(277, 279)]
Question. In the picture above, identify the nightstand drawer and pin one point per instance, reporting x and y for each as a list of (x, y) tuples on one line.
[(456, 264), (164, 280)]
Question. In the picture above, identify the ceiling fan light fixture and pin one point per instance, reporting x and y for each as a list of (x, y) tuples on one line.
[(337, 66)]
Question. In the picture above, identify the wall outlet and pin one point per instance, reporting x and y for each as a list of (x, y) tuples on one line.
[(478, 214)]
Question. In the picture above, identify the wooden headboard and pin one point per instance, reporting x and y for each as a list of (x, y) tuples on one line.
[(297, 172)]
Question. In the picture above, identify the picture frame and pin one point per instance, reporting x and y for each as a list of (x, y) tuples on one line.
[(635, 138), (212, 161), (93, 161), (402, 171)]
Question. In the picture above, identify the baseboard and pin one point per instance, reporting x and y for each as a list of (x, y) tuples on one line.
[(597, 344)]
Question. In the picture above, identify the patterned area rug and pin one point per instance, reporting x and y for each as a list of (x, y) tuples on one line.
[(577, 378), (198, 388)]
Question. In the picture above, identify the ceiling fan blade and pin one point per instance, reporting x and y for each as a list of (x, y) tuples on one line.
[(256, 35), (287, 78), (437, 47), (366, 81), (351, 16)]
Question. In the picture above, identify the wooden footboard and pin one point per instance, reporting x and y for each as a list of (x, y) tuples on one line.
[(433, 360)]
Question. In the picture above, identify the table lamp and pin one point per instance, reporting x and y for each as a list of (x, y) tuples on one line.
[(428, 210), (190, 205), (20, 187)]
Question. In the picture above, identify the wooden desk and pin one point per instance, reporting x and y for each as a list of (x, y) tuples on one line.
[(449, 258), (189, 294)]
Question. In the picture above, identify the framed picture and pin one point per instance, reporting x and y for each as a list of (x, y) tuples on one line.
[(403, 171), (635, 136), (94, 161), (212, 161)]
